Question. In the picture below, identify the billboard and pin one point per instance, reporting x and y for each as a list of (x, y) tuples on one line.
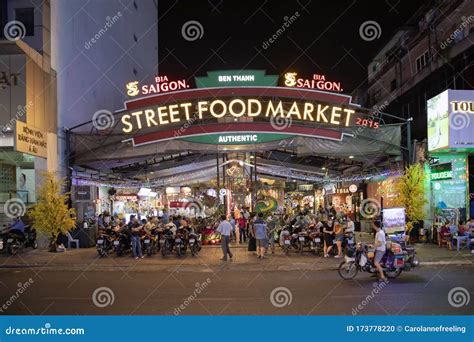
[(451, 120)]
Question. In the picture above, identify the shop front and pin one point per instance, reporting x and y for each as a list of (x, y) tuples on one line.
[(451, 151)]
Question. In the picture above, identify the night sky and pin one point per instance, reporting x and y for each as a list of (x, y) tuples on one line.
[(323, 39)]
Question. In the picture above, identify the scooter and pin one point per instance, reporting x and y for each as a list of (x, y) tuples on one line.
[(361, 259), (14, 241)]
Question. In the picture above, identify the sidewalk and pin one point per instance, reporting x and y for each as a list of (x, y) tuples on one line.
[(208, 260)]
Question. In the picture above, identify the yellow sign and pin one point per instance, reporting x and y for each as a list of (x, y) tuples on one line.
[(182, 112), (30, 140)]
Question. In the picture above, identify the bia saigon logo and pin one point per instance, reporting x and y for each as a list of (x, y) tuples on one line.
[(317, 82), (161, 85)]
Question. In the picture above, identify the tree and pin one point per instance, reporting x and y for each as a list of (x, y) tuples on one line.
[(411, 193), (51, 214)]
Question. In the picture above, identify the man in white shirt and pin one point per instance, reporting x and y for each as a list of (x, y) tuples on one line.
[(380, 248), (225, 229)]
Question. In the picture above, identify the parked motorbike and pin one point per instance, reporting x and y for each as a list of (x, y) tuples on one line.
[(361, 259), (285, 240), (150, 242), (316, 242), (180, 242), (14, 241), (303, 240), (104, 242), (194, 243), (166, 241), (122, 243)]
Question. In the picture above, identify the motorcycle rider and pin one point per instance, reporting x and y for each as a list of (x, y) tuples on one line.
[(17, 227), (380, 248)]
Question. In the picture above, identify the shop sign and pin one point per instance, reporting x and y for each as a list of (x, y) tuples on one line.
[(235, 139), (162, 85), (31, 140), (125, 198), (441, 171), (308, 111), (305, 187), (318, 81), (236, 78), (177, 204), (352, 188), (451, 121)]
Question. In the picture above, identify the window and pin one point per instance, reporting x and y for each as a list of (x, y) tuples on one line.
[(393, 84), (27, 17), (422, 61)]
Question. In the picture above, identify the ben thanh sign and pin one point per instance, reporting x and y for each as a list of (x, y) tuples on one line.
[(31, 140)]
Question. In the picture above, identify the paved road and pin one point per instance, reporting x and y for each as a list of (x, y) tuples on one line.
[(233, 292)]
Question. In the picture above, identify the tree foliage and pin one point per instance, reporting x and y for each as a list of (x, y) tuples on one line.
[(411, 193), (51, 214)]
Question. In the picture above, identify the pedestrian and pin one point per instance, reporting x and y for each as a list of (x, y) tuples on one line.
[(225, 229), (166, 217), (136, 244), (242, 229), (234, 232), (380, 248), (260, 232), (338, 232), (328, 234)]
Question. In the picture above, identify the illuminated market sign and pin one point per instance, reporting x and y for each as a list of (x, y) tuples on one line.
[(462, 106), (162, 85), (317, 82), (441, 171), (236, 78), (175, 113)]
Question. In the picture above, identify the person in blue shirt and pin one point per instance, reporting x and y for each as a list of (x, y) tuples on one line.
[(260, 232), (165, 219), (17, 225)]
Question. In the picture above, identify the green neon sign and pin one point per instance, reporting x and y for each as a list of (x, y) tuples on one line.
[(236, 138), (236, 78), (441, 171)]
